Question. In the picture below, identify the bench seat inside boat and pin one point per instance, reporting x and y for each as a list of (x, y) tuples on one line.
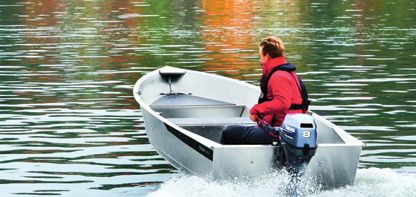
[(189, 106), (210, 128), (212, 121), (208, 117)]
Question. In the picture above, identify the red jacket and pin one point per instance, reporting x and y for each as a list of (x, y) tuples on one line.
[(282, 92)]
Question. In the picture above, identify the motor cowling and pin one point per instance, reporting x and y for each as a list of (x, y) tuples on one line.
[(298, 141)]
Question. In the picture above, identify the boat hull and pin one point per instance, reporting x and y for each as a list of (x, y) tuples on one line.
[(175, 149), (334, 164)]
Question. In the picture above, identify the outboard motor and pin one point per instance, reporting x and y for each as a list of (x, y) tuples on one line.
[(298, 142)]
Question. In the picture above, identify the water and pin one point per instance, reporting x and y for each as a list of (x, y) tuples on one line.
[(69, 124), (369, 182)]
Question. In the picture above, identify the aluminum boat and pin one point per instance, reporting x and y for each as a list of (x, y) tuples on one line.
[(185, 111)]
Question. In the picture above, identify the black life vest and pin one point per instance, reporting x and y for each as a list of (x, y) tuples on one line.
[(288, 67)]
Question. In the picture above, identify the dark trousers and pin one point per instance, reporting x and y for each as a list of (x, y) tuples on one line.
[(236, 134)]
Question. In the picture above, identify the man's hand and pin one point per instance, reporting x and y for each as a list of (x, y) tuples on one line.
[(254, 117)]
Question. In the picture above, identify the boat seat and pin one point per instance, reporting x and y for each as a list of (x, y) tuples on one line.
[(172, 100), (212, 121), (189, 106), (210, 128)]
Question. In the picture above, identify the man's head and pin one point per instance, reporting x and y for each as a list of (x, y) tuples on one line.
[(271, 47)]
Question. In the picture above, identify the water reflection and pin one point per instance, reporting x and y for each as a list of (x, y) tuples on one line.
[(228, 35), (69, 123)]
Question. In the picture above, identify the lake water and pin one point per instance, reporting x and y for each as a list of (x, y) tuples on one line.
[(69, 124)]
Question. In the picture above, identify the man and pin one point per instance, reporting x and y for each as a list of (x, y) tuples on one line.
[(281, 95)]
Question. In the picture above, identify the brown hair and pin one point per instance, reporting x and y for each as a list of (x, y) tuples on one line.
[(273, 47)]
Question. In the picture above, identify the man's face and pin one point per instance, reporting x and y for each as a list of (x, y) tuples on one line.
[(263, 58)]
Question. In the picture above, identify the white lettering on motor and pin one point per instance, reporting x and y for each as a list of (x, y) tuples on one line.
[(307, 134)]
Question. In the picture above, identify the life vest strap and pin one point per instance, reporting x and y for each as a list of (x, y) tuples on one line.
[(299, 83)]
